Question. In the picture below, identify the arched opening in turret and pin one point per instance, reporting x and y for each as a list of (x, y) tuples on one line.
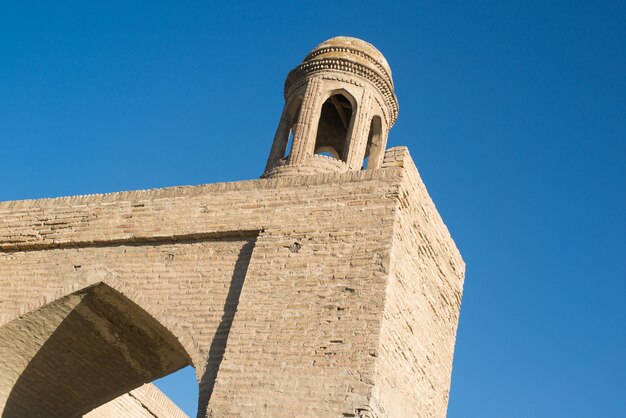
[(374, 147), (89, 348), (334, 126), (283, 141), (293, 111)]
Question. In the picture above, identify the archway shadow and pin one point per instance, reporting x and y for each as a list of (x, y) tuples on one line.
[(87, 349), (220, 338)]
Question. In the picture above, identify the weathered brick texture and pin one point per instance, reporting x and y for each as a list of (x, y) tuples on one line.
[(349, 287)]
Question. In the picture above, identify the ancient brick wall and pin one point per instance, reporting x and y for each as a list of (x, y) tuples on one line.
[(423, 299), (287, 295)]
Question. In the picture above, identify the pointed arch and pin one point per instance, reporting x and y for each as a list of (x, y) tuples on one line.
[(110, 278), (335, 124), (92, 345)]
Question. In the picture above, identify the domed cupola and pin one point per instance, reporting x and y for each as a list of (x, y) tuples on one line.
[(339, 107)]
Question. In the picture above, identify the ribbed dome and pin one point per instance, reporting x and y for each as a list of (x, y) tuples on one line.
[(355, 50)]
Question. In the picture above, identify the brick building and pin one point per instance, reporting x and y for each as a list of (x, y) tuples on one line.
[(330, 287)]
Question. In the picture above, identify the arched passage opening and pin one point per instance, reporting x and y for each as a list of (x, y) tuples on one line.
[(81, 351), (291, 117), (335, 126)]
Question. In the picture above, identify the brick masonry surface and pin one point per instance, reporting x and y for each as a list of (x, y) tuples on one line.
[(322, 295)]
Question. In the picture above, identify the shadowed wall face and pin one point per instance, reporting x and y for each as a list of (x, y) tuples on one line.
[(81, 351)]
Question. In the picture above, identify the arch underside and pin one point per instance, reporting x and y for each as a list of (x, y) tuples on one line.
[(81, 351)]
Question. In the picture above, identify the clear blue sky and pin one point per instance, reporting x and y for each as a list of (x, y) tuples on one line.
[(515, 113)]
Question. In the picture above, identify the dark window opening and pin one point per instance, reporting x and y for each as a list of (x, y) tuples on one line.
[(334, 127)]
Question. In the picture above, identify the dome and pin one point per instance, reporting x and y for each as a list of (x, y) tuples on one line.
[(343, 54), (354, 50)]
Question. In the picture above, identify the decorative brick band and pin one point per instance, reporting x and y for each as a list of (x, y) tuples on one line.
[(350, 67), (353, 51)]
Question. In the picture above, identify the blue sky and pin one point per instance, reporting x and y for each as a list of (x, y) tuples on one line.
[(515, 113)]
